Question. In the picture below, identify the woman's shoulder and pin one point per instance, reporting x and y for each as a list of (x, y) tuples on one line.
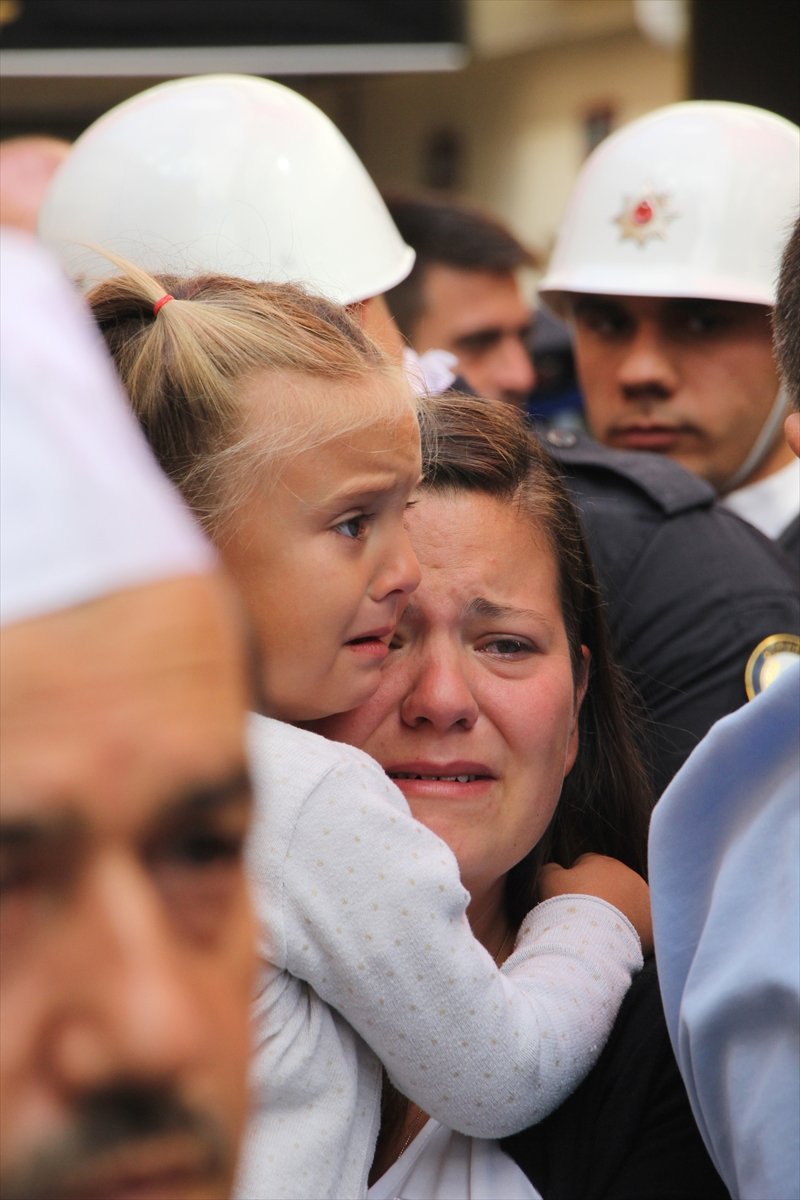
[(630, 1116)]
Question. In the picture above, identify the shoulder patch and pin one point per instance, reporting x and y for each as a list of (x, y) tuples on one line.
[(770, 659)]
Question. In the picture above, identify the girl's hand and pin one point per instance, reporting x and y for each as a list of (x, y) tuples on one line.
[(608, 879)]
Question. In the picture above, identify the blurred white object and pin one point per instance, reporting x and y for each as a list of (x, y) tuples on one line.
[(226, 174), (84, 509), (665, 22)]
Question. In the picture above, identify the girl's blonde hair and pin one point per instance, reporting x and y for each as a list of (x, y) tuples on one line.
[(228, 378)]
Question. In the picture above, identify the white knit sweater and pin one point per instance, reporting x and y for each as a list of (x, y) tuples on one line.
[(366, 954)]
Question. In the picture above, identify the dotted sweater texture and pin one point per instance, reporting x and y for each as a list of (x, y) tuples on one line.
[(366, 956)]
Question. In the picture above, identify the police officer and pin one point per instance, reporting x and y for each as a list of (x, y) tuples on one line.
[(665, 266), (243, 176)]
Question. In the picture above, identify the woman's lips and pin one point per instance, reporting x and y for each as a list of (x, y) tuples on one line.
[(441, 779)]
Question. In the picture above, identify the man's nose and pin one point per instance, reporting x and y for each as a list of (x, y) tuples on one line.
[(647, 367), (130, 1008), (513, 368)]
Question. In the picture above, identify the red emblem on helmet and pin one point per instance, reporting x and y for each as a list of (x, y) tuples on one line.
[(644, 217)]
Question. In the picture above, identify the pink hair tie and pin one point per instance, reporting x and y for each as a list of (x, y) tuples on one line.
[(161, 302)]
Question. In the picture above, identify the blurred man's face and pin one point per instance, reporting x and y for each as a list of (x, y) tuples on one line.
[(481, 317), (691, 379), (125, 934)]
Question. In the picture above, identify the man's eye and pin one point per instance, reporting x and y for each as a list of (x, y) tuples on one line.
[(15, 876), (705, 324), (353, 527), (602, 323), (201, 849), (478, 343), (199, 875)]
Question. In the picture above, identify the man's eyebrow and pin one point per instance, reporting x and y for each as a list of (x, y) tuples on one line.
[(27, 833), (31, 833), (582, 303), (492, 334), (205, 797), (682, 303)]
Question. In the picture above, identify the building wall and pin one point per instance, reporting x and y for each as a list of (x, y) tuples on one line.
[(518, 119)]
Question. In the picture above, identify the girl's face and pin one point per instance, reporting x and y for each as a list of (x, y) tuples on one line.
[(325, 567), (476, 714)]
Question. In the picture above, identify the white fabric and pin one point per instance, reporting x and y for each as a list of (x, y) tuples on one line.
[(724, 879), (84, 508), (364, 904), (772, 503), (442, 1165), (431, 373)]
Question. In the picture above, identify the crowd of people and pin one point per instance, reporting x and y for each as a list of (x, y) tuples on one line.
[(338, 693)]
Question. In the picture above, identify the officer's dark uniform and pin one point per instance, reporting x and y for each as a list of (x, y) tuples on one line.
[(690, 588), (789, 541)]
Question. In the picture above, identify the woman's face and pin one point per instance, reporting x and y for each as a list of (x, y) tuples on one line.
[(476, 714)]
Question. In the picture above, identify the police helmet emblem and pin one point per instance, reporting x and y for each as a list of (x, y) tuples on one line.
[(770, 659), (644, 217)]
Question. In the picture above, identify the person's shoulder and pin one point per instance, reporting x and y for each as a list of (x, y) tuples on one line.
[(284, 750), (297, 774), (630, 1115), (656, 480), (638, 507), (291, 763)]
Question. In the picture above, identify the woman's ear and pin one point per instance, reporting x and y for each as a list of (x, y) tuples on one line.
[(581, 685), (583, 678)]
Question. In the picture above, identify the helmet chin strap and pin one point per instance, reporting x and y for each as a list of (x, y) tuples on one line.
[(763, 443)]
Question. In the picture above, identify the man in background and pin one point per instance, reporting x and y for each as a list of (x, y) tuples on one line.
[(665, 267), (126, 947), (463, 294)]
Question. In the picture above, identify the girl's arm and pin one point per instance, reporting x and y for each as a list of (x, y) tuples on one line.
[(598, 875), (366, 905)]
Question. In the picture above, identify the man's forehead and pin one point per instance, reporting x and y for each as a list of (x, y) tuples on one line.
[(138, 634), (118, 705), (456, 295), (30, 816)]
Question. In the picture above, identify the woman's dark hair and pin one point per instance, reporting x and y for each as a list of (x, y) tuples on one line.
[(473, 445)]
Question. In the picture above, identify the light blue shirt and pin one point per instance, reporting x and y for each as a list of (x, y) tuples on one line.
[(725, 884)]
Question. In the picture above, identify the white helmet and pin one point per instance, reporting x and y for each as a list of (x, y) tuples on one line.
[(229, 174), (694, 200)]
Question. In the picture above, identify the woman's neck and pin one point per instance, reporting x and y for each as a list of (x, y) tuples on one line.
[(487, 917)]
